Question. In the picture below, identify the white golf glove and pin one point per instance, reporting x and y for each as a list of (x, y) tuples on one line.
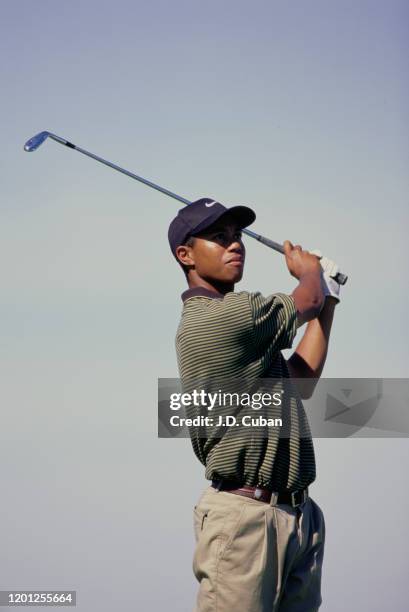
[(329, 269)]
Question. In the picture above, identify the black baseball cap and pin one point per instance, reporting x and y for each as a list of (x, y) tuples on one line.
[(201, 214)]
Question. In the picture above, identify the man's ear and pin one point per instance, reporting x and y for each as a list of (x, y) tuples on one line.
[(184, 255)]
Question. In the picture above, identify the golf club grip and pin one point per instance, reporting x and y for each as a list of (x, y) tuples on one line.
[(340, 278)]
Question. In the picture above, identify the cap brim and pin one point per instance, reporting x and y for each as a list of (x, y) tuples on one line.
[(242, 215)]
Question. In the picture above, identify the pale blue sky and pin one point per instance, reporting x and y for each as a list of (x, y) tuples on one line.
[(298, 109)]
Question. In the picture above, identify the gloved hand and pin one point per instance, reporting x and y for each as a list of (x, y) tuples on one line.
[(329, 269)]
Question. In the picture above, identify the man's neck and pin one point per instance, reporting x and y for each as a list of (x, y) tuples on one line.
[(214, 285)]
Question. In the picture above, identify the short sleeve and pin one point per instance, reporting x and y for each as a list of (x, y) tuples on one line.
[(274, 319)]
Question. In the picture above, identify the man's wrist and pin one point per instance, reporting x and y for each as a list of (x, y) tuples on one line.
[(329, 307)]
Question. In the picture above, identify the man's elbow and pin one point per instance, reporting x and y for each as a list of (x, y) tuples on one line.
[(303, 376), (307, 391), (305, 387)]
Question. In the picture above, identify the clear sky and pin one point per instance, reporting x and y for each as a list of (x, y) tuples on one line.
[(298, 109)]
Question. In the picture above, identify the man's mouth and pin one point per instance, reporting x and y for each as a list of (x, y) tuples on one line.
[(238, 261)]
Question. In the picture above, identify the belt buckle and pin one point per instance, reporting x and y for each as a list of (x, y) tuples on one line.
[(304, 497), (293, 501)]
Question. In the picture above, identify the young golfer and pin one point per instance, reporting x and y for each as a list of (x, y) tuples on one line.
[(259, 535)]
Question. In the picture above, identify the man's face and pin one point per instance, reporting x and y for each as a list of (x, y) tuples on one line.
[(218, 252)]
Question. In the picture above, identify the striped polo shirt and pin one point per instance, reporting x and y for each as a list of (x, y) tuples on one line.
[(239, 336)]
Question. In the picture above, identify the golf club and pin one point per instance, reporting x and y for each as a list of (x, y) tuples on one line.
[(36, 141)]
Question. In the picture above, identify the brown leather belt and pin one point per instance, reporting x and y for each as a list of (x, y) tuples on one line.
[(292, 498)]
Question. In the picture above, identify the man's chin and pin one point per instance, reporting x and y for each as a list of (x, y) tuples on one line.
[(238, 276)]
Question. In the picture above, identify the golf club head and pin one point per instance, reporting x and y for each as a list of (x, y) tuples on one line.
[(35, 141)]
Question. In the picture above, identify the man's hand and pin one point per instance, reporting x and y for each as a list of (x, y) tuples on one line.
[(299, 262), (329, 270)]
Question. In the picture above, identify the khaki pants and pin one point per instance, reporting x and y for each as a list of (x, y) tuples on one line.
[(254, 557)]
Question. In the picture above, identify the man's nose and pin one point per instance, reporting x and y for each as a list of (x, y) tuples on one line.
[(235, 244)]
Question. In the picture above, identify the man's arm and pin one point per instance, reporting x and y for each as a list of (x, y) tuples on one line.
[(308, 296), (308, 359)]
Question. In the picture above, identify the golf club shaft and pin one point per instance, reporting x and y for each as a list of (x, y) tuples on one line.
[(274, 245), (70, 145), (340, 278)]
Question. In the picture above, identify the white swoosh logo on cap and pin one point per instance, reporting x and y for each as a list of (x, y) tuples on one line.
[(209, 204)]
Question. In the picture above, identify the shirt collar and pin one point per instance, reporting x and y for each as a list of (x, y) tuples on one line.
[(201, 291)]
